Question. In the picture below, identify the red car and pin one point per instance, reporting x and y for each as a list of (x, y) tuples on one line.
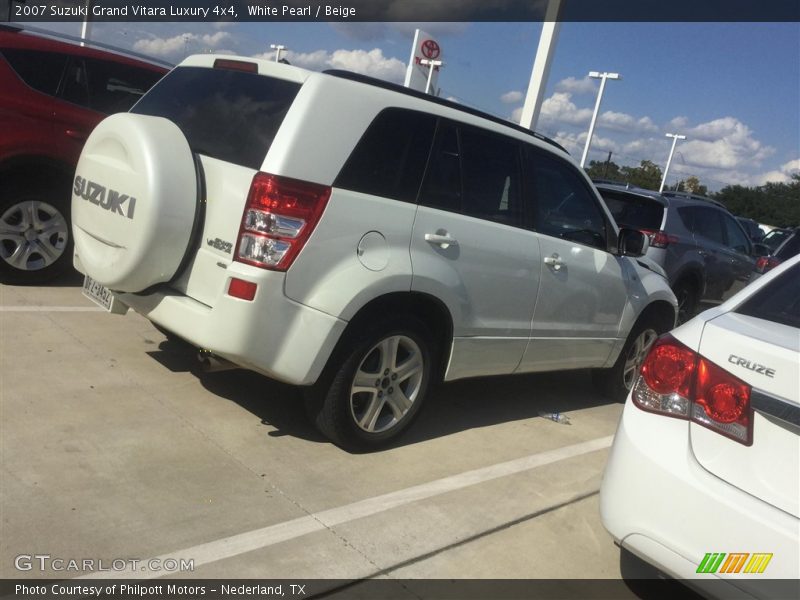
[(52, 94)]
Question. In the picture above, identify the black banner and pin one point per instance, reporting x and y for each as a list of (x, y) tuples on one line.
[(389, 589), (396, 10)]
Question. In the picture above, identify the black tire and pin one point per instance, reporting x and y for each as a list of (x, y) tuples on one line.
[(35, 234), (616, 382), (396, 391), (688, 296)]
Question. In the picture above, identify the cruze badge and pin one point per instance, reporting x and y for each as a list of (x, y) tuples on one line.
[(105, 198), (747, 364)]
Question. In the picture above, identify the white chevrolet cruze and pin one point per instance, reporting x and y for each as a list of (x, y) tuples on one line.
[(703, 481)]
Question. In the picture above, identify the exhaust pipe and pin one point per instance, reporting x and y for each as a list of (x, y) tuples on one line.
[(213, 364)]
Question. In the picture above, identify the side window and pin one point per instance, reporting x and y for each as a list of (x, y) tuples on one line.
[(75, 88), (390, 158), (561, 203), (442, 185), (105, 86), (789, 248), (40, 70), (737, 239), (491, 177), (708, 224)]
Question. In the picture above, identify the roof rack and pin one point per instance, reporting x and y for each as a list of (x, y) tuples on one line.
[(441, 101)]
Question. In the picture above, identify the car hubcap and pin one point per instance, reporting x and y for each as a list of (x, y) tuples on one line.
[(33, 235), (386, 384), (636, 355)]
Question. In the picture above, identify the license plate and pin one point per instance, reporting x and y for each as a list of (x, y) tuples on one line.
[(102, 296)]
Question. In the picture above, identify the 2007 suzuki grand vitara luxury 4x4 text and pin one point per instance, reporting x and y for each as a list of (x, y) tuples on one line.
[(359, 239)]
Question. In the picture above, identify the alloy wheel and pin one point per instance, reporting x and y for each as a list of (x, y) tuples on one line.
[(386, 384)]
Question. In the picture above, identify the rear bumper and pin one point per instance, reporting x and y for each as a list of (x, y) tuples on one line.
[(271, 334), (658, 502)]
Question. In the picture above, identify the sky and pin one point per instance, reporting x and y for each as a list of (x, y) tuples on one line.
[(733, 89)]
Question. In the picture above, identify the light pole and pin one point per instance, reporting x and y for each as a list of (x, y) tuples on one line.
[(278, 49), (432, 65), (675, 137), (602, 77)]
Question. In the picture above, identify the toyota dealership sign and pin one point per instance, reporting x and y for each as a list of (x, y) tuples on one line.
[(424, 48)]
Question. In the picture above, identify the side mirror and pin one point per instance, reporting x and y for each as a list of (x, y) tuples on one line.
[(633, 243), (761, 250)]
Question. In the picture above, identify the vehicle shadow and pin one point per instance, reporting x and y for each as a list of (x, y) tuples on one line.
[(450, 407), (647, 583)]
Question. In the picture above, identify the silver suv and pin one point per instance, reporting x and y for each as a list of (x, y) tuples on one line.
[(704, 250), (358, 239)]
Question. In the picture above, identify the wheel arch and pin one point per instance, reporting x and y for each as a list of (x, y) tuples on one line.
[(661, 312), (692, 274), (428, 309)]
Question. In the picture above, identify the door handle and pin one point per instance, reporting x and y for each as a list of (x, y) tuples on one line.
[(441, 239), (554, 261)]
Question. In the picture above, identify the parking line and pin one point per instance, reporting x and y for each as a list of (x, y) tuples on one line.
[(274, 534), (51, 309)]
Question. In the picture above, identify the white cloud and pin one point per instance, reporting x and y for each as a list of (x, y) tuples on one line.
[(783, 175), (178, 45), (575, 142), (587, 85), (559, 108), (372, 62), (679, 123), (617, 121), (792, 166), (724, 143), (512, 97)]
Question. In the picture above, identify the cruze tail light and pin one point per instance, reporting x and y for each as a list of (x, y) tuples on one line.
[(278, 219), (677, 382)]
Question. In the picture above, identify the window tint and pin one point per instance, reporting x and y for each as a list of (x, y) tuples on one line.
[(114, 87), (778, 301), (40, 70), (474, 172), (789, 248), (737, 239), (704, 222), (563, 205), (632, 211), (442, 185), (491, 177), (226, 114), (390, 158)]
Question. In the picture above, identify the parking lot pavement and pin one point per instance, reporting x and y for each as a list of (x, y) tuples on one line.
[(114, 446)]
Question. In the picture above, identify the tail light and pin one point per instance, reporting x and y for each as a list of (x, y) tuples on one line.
[(659, 239), (765, 263), (677, 382), (278, 219)]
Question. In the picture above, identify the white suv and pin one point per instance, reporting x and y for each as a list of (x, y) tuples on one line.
[(360, 239)]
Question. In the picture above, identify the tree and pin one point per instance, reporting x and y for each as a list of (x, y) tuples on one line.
[(600, 169), (647, 175), (772, 204), (692, 185)]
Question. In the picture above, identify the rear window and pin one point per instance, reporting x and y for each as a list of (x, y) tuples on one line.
[(225, 114), (778, 301), (634, 211)]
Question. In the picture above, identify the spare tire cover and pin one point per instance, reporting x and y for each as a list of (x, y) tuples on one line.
[(134, 199)]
